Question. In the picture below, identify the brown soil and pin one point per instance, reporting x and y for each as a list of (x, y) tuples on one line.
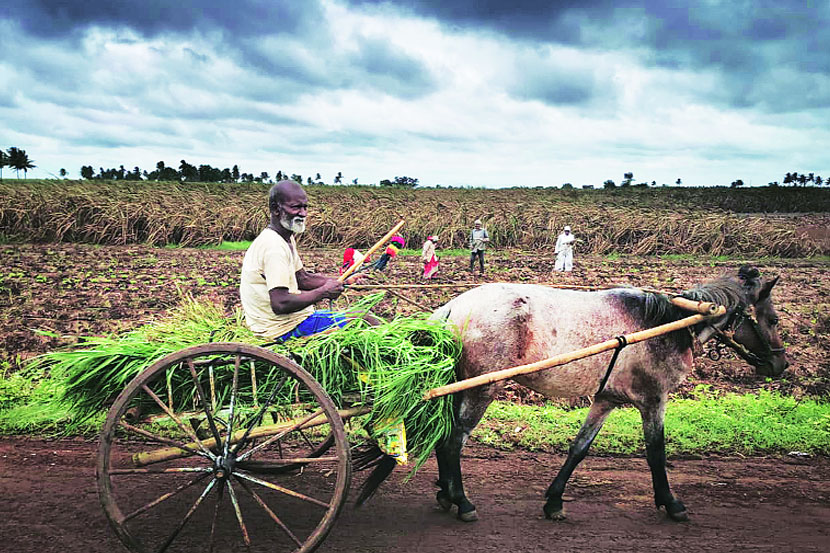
[(736, 504)]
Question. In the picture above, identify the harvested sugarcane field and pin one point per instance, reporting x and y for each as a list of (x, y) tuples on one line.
[(102, 265)]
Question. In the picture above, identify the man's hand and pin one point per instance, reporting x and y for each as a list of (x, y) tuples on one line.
[(331, 289)]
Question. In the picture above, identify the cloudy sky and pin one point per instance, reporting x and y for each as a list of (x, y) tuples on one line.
[(453, 92)]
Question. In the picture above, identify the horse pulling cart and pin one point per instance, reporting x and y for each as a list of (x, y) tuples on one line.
[(222, 445)]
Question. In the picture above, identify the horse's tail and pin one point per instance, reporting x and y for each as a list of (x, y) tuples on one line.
[(368, 457)]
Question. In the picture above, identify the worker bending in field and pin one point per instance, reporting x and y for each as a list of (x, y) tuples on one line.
[(277, 294)]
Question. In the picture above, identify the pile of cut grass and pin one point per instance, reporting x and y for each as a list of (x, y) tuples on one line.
[(389, 366)]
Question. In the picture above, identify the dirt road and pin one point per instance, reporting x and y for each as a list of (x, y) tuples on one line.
[(756, 504)]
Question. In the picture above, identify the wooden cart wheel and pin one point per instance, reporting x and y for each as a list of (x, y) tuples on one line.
[(223, 445)]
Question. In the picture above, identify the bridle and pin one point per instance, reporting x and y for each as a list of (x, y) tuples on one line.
[(725, 337)]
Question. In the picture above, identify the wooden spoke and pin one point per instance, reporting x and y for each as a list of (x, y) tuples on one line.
[(192, 435), (212, 386), (234, 391), (189, 514), (253, 382), (258, 417), (165, 497), (238, 513), (280, 489), (268, 510), (217, 507), (171, 470), (201, 394), (305, 438), (156, 438)]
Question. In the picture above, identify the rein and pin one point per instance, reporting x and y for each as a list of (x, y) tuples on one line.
[(736, 319)]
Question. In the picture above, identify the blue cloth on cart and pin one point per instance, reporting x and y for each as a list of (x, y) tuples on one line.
[(316, 322)]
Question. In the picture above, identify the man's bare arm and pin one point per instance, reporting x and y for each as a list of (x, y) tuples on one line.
[(282, 301)]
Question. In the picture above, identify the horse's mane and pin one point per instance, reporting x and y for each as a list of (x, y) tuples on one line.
[(729, 292)]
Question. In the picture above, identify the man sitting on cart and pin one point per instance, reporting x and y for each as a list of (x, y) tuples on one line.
[(278, 294)]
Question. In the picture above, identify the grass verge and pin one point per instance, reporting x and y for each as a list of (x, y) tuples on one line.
[(752, 424)]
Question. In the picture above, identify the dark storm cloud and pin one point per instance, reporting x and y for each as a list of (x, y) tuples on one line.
[(745, 42), (302, 59), (55, 18), (531, 19)]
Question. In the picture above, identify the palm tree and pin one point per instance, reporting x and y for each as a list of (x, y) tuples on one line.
[(18, 159), (3, 162)]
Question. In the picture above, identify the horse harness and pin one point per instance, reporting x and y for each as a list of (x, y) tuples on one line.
[(724, 338), (737, 318)]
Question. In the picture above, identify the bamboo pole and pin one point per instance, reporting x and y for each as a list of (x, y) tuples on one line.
[(702, 307), (374, 286), (564, 358), (371, 250), (404, 298), (145, 458)]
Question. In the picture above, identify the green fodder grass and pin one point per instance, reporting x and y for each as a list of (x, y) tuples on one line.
[(642, 222), (749, 424)]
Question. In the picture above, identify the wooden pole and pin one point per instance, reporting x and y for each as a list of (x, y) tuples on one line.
[(390, 286), (404, 298), (371, 250), (564, 358), (702, 307)]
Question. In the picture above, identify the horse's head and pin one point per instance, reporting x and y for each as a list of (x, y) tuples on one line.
[(755, 328)]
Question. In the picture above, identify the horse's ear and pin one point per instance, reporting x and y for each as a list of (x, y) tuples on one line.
[(748, 273), (766, 288), (750, 277)]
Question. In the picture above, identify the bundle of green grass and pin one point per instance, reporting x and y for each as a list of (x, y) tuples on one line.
[(389, 366)]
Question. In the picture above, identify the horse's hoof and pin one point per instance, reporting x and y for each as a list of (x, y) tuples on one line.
[(558, 514), (679, 516), (677, 511), (444, 502), (469, 516)]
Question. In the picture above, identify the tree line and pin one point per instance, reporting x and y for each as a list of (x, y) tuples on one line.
[(18, 159), (187, 172)]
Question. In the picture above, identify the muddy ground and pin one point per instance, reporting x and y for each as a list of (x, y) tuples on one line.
[(736, 504), (73, 290)]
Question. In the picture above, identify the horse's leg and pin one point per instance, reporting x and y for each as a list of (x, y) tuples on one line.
[(470, 407), (656, 454), (579, 449)]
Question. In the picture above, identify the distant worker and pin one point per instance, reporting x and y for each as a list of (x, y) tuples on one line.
[(428, 257), (478, 243), (564, 251), (395, 244), (277, 293)]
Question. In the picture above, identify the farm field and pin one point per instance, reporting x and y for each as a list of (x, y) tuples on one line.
[(73, 290), (53, 294)]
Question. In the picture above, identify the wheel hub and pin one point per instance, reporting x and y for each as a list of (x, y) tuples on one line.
[(224, 466)]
